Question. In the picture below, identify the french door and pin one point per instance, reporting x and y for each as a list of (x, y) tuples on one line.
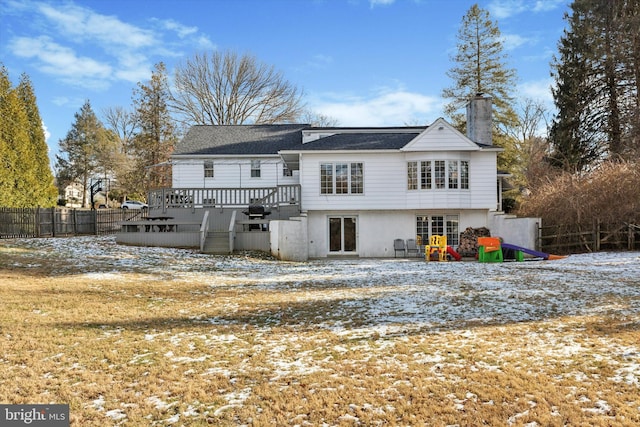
[(342, 234)]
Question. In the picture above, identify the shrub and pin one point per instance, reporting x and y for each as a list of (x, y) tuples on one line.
[(610, 193)]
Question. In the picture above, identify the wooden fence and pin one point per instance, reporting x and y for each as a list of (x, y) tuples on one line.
[(580, 238), (55, 222)]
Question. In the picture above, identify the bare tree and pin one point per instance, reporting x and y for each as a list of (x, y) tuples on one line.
[(124, 123), (227, 89), (318, 119), (531, 146)]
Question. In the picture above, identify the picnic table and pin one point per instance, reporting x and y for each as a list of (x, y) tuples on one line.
[(158, 223), (161, 227)]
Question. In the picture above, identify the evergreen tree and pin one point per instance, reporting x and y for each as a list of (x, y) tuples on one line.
[(44, 192), (80, 160), (25, 176), (10, 125), (481, 68), (597, 78), (156, 137)]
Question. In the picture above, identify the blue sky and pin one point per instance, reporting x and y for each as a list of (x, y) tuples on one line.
[(362, 62)]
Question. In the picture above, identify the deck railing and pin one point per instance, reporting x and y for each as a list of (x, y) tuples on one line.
[(269, 197)]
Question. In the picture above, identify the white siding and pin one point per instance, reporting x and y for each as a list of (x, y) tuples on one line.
[(441, 136), (376, 230), (385, 182), (230, 173)]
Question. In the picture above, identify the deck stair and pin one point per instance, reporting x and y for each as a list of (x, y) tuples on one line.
[(217, 242)]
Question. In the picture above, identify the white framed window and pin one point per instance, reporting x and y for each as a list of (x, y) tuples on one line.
[(464, 174), (438, 174), (441, 225), (326, 178), (255, 169), (412, 175), (342, 178), (208, 169), (425, 175)]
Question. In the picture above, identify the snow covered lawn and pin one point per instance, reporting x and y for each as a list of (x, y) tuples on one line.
[(154, 336)]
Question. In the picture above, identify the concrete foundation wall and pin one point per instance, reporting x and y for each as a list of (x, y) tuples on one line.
[(516, 231), (166, 240), (289, 239)]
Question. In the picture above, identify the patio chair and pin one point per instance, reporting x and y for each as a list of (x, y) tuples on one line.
[(412, 247), (399, 246)]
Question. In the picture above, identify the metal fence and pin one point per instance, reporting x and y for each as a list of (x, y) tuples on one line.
[(595, 237), (55, 222)]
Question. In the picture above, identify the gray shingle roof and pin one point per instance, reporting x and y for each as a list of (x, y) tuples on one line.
[(240, 139), (270, 139), (361, 141)]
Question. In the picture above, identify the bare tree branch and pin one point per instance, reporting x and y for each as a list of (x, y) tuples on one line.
[(227, 89)]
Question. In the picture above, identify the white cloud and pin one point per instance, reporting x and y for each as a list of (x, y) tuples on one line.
[(47, 134), (506, 8), (514, 41), (92, 50), (83, 24), (538, 90), (62, 61), (319, 61), (546, 5), (382, 108), (187, 34), (181, 30), (374, 3)]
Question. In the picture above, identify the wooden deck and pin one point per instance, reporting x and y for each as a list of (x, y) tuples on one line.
[(194, 198)]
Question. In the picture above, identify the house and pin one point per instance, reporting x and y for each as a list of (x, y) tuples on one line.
[(73, 195), (342, 191)]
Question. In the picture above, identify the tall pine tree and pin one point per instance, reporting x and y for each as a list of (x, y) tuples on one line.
[(25, 176), (596, 93), (481, 67), (81, 150), (156, 137), (44, 192)]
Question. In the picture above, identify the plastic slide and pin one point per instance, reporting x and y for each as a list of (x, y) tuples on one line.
[(453, 253), (538, 254)]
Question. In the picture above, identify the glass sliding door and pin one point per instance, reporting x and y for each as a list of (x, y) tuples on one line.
[(342, 234)]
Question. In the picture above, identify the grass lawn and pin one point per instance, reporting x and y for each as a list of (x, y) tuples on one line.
[(151, 336)]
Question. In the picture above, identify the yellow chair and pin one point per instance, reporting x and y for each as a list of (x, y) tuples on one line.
[(437, 244)]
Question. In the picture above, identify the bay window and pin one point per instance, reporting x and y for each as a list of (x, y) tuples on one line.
[(438, 174)]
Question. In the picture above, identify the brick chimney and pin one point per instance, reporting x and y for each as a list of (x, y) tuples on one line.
[(479, 121)]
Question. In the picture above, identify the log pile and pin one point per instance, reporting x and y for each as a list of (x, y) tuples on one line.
[(469, 240)]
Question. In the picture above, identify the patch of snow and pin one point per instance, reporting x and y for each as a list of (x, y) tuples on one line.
[(116, 414)]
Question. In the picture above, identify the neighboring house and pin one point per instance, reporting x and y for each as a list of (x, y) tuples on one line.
[(360, 188), (73, 195)]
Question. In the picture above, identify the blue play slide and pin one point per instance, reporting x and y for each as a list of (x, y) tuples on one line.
[(525, 250)]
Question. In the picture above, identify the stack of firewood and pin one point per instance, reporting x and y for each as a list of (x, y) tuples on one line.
[(469, 240)]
